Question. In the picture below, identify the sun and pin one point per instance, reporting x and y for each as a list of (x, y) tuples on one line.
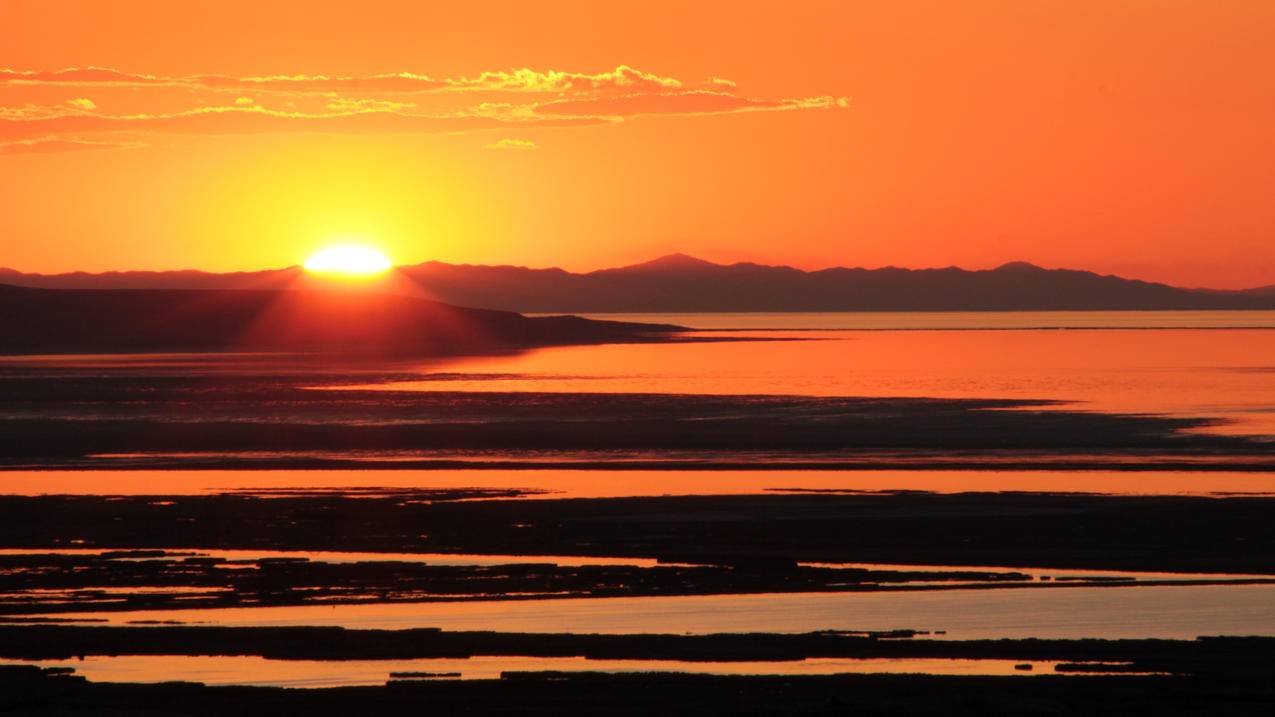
[(348, 260)]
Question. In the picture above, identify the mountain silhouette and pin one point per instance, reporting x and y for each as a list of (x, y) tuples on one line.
[(681, 283)]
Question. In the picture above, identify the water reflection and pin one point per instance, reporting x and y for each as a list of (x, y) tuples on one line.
[(253, 670), (1222, 373), (589, 483), (1170, 612)]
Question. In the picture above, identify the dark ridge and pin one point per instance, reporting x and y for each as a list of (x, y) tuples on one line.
[(755, 532), (1244, 690), (110, 320), (681, 283), (335, 643)]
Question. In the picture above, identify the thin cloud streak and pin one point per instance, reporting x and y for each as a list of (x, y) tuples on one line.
[(514, 144), (50, 146), (258, 120)]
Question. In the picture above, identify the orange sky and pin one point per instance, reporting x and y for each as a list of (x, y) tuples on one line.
[(1125, 136)]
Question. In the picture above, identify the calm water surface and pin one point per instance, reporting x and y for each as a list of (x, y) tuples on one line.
[(1202, 366), (253, 670), (1219, 365), (1171, 612), (560, 483), (955, 320)]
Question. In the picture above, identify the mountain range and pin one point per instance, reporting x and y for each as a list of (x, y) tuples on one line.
[(680, 283)]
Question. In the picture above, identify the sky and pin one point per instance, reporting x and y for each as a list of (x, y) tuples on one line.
[(1121, 136)]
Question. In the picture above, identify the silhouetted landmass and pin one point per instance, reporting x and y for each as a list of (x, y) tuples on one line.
[(42, 584), (56, 642), (229, 420), (763, 534), (1248, 690), (118, 581), (679, 283), (48, 320)]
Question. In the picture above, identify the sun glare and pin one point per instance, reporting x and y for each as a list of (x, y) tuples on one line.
[(348, 260)]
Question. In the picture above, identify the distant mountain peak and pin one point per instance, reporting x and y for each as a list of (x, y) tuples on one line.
[(676, 260), (1018, 266)]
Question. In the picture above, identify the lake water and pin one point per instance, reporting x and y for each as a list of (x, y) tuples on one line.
[(1178, 363), (955, 320), (1171, 612), (1216, 365), (560, 483), (253, 670)]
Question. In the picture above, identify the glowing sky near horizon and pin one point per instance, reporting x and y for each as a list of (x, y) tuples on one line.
[(1121, 136)]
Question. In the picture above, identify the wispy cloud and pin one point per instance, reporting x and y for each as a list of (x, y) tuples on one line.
[(518, 144), (402, 102), (623, 78), (78, 77), (48, 146), (257, 120), (697, 102)]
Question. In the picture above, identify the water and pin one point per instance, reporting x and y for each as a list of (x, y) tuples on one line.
[(1170, 612), (585, 483), (954, 320), (253, 670), (1225, 374), (475, 559), (1204, 366)]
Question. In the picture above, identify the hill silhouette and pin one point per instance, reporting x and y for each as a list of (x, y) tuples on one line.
[(681, 283), (59, 320)]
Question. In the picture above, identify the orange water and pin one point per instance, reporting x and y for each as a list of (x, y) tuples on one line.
[(1171, 612), (253, 670), (1226, 374)]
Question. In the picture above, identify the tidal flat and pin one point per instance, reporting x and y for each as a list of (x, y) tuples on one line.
[(701, 519), (765, 532)]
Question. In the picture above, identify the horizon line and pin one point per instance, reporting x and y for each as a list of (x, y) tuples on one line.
[(666, 258)]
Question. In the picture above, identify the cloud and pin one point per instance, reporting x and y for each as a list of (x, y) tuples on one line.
[(398, 83), (696, 102), (79, 77), (350, 104), (622, 78), (402, 102), (33, 111), (517, 144), (47, 146), (258, 120)]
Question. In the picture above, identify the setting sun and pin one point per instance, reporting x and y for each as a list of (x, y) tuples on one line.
[(349, 260)]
